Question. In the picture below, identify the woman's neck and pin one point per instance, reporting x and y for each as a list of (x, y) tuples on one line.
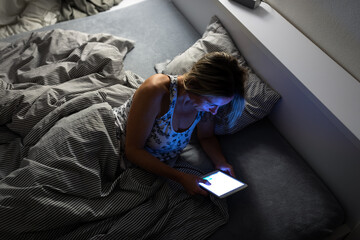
[(183, 96)]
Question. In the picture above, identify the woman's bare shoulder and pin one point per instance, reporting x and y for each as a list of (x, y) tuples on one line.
[(157, 82), (154, 87)]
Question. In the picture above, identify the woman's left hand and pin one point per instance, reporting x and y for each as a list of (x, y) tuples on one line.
[(226, 168)]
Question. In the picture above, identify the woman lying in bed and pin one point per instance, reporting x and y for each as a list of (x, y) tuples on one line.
[(156, 124)]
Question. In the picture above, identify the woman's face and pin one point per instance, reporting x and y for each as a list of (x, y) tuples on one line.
[(208, 103)]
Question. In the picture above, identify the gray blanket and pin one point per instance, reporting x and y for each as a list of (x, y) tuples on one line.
[(27, 15), (59, 169)]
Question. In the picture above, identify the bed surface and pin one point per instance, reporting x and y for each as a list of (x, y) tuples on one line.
[(285, 199)]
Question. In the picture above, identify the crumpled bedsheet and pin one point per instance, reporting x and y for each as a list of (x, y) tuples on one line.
[(59, 168), (17, 16)]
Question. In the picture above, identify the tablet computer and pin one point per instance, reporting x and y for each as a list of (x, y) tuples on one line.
[(222, 185)]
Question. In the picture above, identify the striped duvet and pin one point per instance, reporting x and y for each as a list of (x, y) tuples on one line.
[(59, 170)]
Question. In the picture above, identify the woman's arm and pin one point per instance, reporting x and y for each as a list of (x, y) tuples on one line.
[(211, 145), (146, 106)]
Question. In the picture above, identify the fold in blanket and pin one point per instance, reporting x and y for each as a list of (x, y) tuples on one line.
[(27, 15), (71, 9), (59, 168)]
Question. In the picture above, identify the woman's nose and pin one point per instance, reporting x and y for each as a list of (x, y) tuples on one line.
[(214, 110)]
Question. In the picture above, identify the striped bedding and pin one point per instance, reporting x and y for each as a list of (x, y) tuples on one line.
[(59, 171)]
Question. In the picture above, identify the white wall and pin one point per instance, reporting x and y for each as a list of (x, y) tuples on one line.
[(308, 120), (332, 24)]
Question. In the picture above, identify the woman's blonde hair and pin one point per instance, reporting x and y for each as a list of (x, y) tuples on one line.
[(219, 74)]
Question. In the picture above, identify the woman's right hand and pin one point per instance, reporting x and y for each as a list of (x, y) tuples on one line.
[(191, 184)]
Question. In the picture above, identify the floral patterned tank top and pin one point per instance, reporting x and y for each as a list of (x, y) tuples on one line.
[(163, 142)]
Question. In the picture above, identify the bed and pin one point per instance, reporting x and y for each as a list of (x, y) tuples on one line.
[(59, 170)]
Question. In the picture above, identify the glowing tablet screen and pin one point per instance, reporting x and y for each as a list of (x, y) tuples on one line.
[(222, 185)]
